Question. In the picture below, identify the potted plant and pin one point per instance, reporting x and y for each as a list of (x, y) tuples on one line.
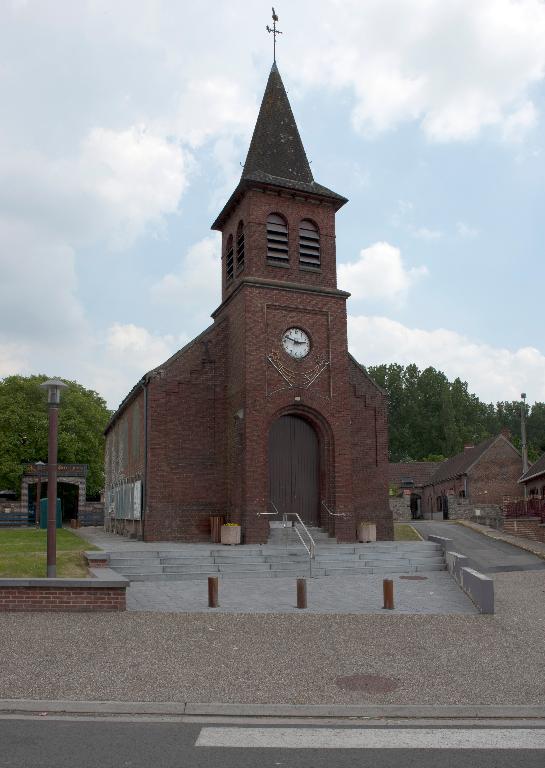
[(367, 531), (230, 533)]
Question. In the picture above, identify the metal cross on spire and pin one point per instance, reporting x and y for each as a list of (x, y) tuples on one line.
[(274, 31)]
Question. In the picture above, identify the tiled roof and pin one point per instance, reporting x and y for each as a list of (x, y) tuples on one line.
[(417, 471), (537, 468), (459, 464)]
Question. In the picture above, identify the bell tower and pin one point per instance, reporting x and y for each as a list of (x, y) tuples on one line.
[(290, 390), (279, 224)]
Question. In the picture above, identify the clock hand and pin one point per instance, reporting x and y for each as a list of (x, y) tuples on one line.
[(296, 341)]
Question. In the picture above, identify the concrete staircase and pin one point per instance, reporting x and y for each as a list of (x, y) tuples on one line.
[(283, 556)]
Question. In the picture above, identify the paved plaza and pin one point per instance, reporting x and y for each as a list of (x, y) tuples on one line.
[(430, 593)]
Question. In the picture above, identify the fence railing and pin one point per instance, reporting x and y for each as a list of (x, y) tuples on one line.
[(525, 508)]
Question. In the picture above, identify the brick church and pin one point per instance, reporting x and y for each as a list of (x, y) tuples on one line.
[(266, 410)]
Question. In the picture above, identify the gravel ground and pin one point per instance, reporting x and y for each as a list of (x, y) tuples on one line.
[(275, 658)]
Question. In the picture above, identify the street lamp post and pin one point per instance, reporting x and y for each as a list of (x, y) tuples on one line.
[(523, 440), (53, 387)]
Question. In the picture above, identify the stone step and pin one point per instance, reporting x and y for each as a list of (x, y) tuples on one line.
[(187, 560), (243, 567), (193, 568)]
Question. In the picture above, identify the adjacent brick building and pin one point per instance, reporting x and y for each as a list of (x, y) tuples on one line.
[(406, 483), (534, 479), (265, 410), (485, 474)]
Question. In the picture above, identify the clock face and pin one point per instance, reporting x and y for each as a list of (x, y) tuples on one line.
[(296, 343)]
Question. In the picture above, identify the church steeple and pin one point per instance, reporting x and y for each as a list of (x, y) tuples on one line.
[(276, 157), (276, 150)]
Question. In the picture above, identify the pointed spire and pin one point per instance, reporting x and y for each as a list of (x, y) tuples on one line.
[(276, 148), (276, 157)]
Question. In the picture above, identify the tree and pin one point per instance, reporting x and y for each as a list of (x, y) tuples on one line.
[(83, 416), (431, 416)]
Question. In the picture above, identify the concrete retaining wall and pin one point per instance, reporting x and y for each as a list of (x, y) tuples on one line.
[(477, 586)]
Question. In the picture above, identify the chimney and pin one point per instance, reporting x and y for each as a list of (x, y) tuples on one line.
[(468, 447)]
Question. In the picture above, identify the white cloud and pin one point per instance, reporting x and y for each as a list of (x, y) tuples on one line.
[(138, 178), (520, 123), (425, 233), (379, 273), (466, 231), (493, 373), (196, 285), (13, 359), (132, 341), (455, 67), (126, 353), (38, 302)]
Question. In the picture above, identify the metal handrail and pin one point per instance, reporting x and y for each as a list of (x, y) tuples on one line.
[(311, 547), (329, 512)]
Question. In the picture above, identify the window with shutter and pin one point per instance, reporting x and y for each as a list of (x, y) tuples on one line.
[(277, 239), (309, 244), (229, 260), (240, 246)]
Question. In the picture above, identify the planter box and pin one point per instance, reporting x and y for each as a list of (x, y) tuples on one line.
[(367, 532), (230, 534)]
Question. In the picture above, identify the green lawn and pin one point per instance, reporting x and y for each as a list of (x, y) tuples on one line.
[(23, 553), (405, 532)]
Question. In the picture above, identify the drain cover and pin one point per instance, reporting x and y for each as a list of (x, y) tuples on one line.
[(414, 578), (367, 683)]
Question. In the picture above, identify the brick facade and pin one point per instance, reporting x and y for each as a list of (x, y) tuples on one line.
[(488, 476), (204, 417), (45, 599)]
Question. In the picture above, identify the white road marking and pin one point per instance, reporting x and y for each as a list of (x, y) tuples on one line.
[(373, 738)]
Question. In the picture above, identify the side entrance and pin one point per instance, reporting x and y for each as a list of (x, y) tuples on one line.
[(294, 468)]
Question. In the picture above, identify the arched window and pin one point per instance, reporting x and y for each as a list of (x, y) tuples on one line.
[(277, 239), (309, 244), (229, 261), (240, 246)]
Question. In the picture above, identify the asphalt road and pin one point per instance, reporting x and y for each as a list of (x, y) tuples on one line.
[(35, 743), (486, 555)]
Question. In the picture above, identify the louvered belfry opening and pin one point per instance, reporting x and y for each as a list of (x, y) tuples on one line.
[(229, 259), (309, 244), (240, 246), (277, 239)]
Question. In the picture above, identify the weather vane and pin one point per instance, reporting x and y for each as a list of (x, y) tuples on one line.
[(274, 31)]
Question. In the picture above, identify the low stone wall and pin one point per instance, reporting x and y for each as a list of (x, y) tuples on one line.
[(104, 591), (400, 507), (92, 513)]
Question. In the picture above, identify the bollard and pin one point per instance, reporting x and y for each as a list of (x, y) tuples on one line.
[(212, 591), (301, 593), (388, 589)]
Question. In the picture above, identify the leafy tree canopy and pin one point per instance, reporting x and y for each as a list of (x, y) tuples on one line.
[(24, 427), (431, 417)]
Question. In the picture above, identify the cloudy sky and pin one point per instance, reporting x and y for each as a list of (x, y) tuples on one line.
[(123, 126)]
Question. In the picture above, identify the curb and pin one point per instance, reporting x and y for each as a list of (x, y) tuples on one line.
[(492, 533), (370, 711)]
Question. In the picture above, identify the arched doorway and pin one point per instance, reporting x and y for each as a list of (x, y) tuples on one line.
[(294, 468)]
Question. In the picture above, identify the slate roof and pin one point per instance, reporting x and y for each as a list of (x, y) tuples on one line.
[(419, 472), (462, 462), (276, 156), (537, 468)]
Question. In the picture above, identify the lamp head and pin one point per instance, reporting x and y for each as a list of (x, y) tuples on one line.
[(53, 387)]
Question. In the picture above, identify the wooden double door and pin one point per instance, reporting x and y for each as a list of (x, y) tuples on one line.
[(294, 468)]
